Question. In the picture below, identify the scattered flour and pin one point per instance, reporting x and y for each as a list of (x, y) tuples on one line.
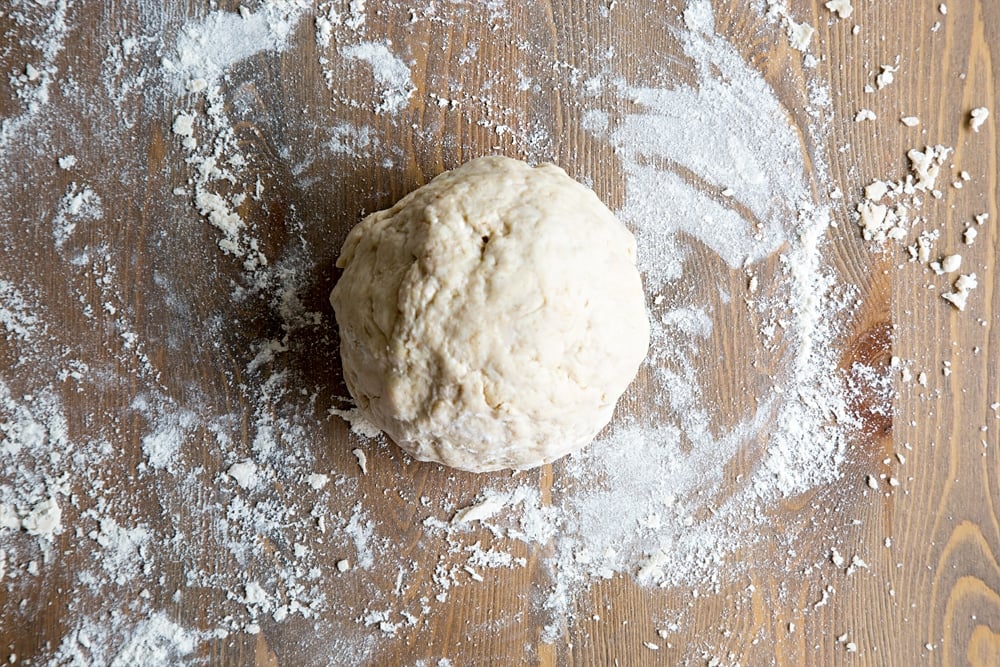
[(360, 425), (44, 519), (17, 314), (206, 49), (155, 640), (80, 203), (741, 141), (389, 71), (799, 34), (171, 427)]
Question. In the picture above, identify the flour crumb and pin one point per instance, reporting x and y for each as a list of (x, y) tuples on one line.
[(388, 70), (875, 190), (886, 76), (856, 564), (910, 121), (926, 165), (800, 34), (317, 480), (959, 295), (360, 425), (865, 114), (951, 263), (841, 8), (480, 511), (67, 162), (977, 117), (254, 594), (183, 125), (44, 520), (362, 458), (245, 473)]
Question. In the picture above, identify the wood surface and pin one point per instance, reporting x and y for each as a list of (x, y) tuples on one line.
[(938, 585)]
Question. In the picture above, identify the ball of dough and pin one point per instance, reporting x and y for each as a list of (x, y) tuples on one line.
[(492, 318)]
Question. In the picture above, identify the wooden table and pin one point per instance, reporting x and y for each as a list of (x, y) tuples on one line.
[(145, 336)]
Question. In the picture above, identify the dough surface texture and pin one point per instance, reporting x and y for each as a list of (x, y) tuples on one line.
[(491, 318)]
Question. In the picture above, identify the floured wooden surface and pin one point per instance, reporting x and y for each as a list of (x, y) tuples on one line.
[(804, 471)]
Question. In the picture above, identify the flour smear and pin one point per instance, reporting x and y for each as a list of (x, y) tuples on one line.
[(212, 484)]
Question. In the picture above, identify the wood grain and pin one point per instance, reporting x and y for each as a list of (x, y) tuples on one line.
[(932, 597)]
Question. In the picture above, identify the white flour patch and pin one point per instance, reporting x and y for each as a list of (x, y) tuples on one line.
[(353, 141), (727, 134), (79, 204), (155, 640), (390, 72), (360, 529), (170, 429), (126, 550), (17, 314), (689, 320), (34, 86), (206, 49)]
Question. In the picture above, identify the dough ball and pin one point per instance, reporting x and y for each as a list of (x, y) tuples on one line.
[(492, 318)]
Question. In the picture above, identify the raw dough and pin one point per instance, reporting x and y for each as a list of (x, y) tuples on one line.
[(492, 318)]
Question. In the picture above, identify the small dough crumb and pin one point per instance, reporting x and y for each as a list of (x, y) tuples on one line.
[(926, 165), (841, 8), (44, 519), (951, 263), (245, 473), (977, 117), (959, 296), (317, 480), (799, 34), (910, 121), (480, 511), (886, 76), (184, 125), (359, 454), (865, 114), (875, 190)]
